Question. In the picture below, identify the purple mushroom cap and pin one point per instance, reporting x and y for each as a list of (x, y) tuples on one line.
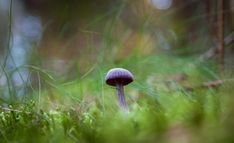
[(118, 76)]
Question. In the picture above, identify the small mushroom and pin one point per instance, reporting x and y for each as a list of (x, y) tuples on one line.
[(119, 77)]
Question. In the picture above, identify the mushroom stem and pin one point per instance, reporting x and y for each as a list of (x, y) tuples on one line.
[(122, 102)]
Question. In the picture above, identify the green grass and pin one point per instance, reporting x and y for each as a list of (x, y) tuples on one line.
[(85, 109), (161, 110)]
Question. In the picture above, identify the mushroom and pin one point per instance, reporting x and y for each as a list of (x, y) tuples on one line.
[(119, 77)]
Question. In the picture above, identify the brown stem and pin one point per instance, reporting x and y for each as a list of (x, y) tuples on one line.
[(221, 31)]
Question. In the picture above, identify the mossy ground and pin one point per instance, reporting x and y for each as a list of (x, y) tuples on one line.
[(161, 108)]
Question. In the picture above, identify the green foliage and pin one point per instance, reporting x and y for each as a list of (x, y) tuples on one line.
[(160, 108), (166, 101)]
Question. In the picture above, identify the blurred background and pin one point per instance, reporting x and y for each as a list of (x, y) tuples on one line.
[(54, 55), (69, 37)]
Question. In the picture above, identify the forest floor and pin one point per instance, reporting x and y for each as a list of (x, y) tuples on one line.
[(172, 100)]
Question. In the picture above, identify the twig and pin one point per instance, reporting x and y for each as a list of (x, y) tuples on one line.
[(210, 84), (214, 50), (14, 110)]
